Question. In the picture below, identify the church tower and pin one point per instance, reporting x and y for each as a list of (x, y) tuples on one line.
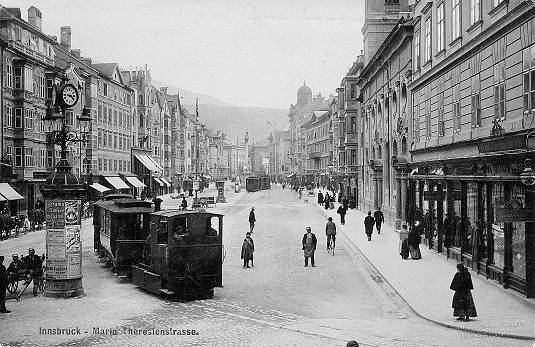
[(380, 16), (304, 95)]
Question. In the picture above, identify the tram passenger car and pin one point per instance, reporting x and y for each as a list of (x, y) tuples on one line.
[(252, 184), (183, 255), (264, 182), (171, 253), (120, 228)]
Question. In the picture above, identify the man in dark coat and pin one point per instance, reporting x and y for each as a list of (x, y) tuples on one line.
[(34, 264), (379, 219), (247, 250), (184, 203), (309, 246), (320, 198), (345, 202), (330, 231), (342, 212), (252, 220), (3, 286), (368, 225)]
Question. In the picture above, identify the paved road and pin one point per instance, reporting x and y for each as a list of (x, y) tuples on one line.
[(277, 303)]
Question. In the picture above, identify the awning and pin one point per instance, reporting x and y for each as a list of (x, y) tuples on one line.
[(9, 193), (165, 181), (147, 162), (290, 176), (135, 182), (99, 187), (155, 164), (157, 180), (116, 182)]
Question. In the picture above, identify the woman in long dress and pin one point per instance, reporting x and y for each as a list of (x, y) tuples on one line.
[(404, 242), (463, 303), (414, 240)]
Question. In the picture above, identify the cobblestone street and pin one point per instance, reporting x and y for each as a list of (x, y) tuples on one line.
[(278, 302)]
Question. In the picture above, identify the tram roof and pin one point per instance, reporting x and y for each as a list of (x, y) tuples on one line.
[(173, 212), (126, 205)]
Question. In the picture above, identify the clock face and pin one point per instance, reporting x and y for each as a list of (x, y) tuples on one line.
[(69, 95)]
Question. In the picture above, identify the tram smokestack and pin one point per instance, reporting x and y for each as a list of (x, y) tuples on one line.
[(157, 204)]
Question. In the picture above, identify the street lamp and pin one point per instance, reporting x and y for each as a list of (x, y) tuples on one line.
[(63, 192)]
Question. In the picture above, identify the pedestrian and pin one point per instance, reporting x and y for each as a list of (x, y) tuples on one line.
[(463, 303), (184, 203), (404, 242), (247, 250), (414, 240), (34, 264), (368, 225), (300, 192), (379, 219), (327, 200), (320, 198), (342, 212), (252, 220), (345, 202), (330, 231), (309, 246), (3, 286)]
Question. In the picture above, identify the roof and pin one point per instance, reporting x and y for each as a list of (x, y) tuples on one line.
[(304, 89), (108, 70)]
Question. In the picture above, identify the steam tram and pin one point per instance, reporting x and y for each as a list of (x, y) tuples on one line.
[(254, 184), (175, 254)]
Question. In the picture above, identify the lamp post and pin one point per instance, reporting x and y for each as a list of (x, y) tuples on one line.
[(63, 192)]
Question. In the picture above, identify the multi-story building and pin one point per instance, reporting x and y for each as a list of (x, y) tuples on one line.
[(279, 161), (319, 146), (29, 75), (472, 124)]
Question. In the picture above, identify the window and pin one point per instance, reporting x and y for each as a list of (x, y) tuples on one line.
[(49, 158), (28, 157), (105, 89), (99, 164), (416, 123), (18, 77), (42, 87), (69, 118), (28, 79), (99, 114), (353, 157), (353, 91), (475, 10), (115, 116), (455, 19), (476, 102), (99, 141), (9, 75), (42, 158), (529, 79), (440, 27), (28, 118), (18, 117), (9, 152), (8, 120), (440, 106), (499, 90), (18, 156), (496, 3), (427, 33), (456, 112), (428, 119), (49, 88)]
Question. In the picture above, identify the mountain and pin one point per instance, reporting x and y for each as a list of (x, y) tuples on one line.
[(235, 121), (232, 120), (188, 97)]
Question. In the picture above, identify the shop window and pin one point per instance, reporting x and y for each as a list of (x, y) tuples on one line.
[(497, 233), (518, 234)]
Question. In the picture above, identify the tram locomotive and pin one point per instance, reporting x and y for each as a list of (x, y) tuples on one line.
[(254, 184), (175, 254)]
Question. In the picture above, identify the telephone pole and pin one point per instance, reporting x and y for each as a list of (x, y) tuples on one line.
[(197, 146)]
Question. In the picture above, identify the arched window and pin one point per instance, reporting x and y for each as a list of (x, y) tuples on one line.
[(404, 146), (403, 97), (394, 104)]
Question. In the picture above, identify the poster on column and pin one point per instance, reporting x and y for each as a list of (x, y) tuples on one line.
[(73, 243), (72, 212), (74, 265), (55, 214), (55, 243), (57, 268)]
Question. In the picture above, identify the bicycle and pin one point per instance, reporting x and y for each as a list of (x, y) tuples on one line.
[(331, 246)]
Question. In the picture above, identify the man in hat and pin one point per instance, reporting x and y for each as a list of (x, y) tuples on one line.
[(369, 221), (247, 250), (16, 267), (34, 264), (309, 246), (330, 231), (252, 220), (3, 286)]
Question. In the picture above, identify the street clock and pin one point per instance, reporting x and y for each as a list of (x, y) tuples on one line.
[(67, 96)]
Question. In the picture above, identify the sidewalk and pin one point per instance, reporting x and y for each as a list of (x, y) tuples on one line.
[(424, 284)]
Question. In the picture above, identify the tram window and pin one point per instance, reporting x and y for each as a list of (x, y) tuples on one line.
[(180, 228), (212, 226), (162, 232)]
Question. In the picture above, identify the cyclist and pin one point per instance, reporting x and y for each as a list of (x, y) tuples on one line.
[(16, 268), (330, 231)]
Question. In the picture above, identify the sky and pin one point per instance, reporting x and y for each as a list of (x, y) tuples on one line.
[(246, 53)]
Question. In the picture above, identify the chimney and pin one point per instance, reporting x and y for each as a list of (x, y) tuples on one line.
[(35, 17), (163, 90), (65, 37), (77, 53)]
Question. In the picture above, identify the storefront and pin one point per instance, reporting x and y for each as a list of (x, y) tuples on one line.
[(479, 212)]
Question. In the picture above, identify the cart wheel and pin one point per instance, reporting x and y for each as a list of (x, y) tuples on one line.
[(12, 287), (41, 286)]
